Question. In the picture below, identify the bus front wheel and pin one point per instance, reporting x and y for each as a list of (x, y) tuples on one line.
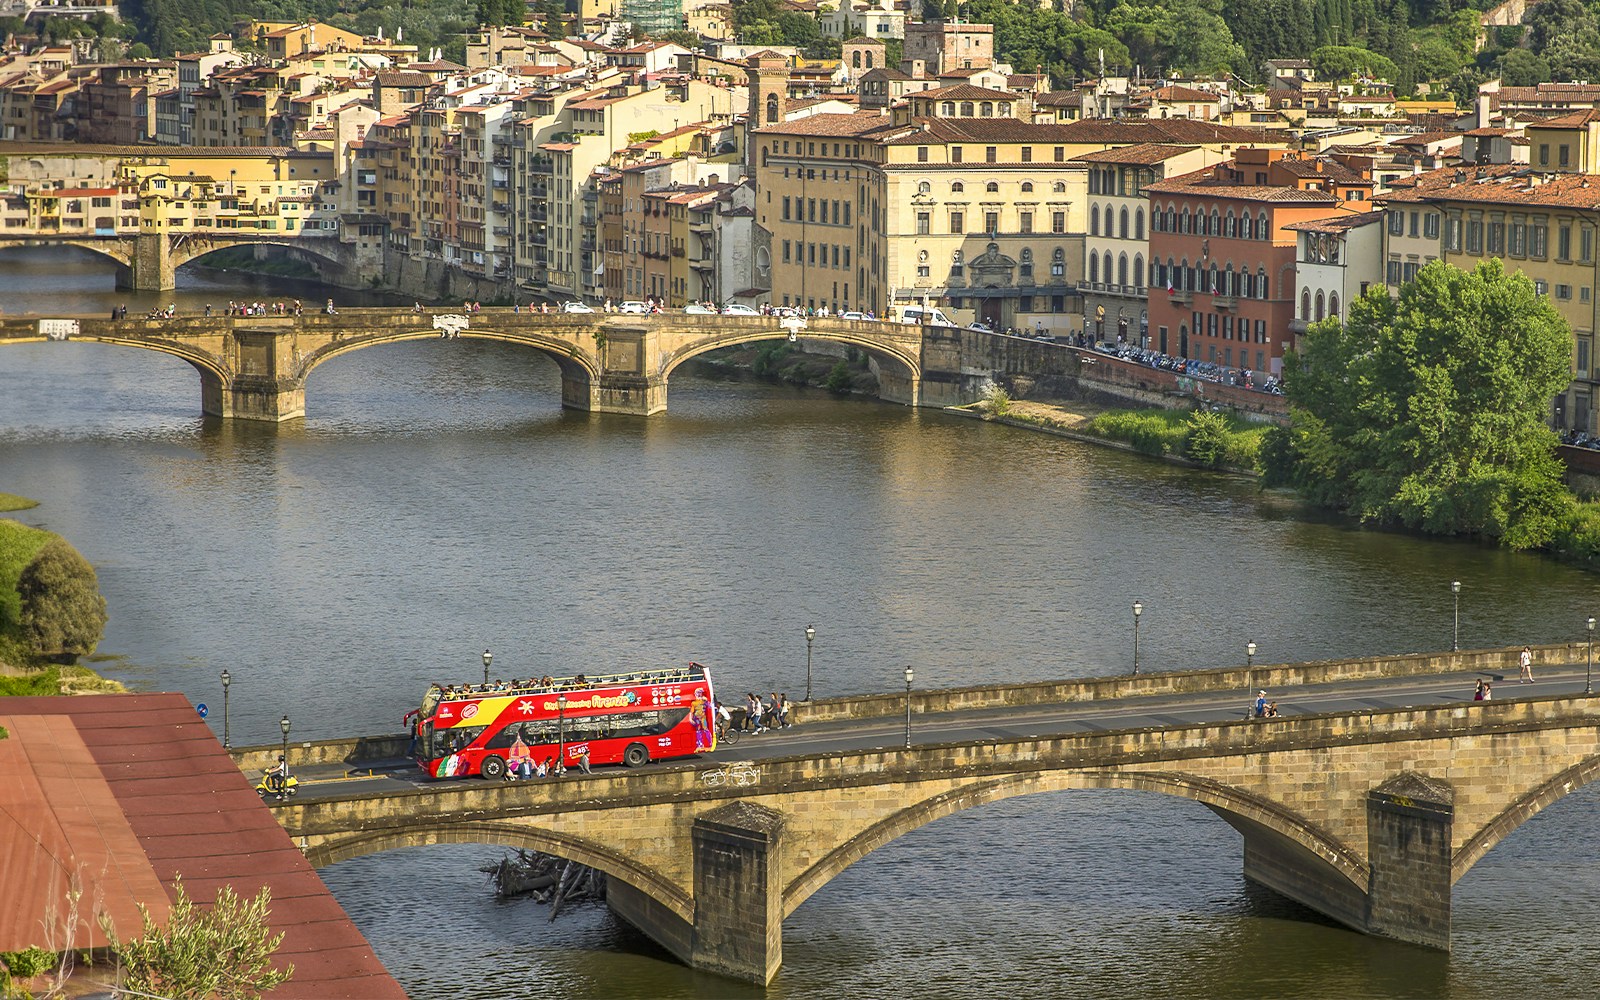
[(636, 755), (493, 768)]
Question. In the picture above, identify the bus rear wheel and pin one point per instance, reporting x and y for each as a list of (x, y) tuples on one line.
[(636, 755), (493, 768)]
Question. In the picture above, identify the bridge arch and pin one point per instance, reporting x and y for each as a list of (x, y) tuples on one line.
[(1222, 799), (911, 365), (572, 362), (190, 251), (1524, 808), (508, 834), (110, 247)]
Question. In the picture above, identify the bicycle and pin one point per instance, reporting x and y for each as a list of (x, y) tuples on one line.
[(727, 735)]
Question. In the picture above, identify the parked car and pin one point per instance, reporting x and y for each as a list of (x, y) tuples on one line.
[(932, 315), (735, 309), (980, 327), (634, 308), (852, 314), (696, 309), (576, 307)]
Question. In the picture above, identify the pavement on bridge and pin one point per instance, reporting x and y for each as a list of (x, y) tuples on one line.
[(888, 732)]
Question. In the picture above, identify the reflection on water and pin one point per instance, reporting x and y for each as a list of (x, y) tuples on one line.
[(437, 501)]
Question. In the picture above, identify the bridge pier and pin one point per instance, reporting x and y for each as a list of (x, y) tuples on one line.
[(151, 268), (1409, 820), (738, 897)]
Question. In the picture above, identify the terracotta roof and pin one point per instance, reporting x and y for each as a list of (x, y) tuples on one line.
[(858, 123), (132, 792), (966, 92), (1144, 153), (1337, 223), (1576, 120), (1177, 93), (1206, 182), (1512, 184)]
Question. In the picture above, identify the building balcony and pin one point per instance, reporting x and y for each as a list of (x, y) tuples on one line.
[(1181, 297), (703, 265), (1298, 326), (539, 240), (677, 251), (586, 242), (1225, 301), (500, 184), (499, 206), (502, 230)]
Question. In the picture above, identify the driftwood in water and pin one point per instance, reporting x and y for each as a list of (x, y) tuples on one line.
[(547, 878)]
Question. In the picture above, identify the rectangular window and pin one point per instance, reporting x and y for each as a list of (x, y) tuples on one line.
[(958, 223), (1541, 288), (1025, 222), (922, 154), (923, 271), (1517, 245), (1583, 355), (1563, 291), (1544, 154), (811, 253), (785, 208), (1027, 154), (786, 251), (1430, 226), (1058, 222), (1565, 155), (1409, 271), (1497, 239), (922, 223), (1586, 244), (989, 154), (1397, 223), (955, 154), (1583, 293), (1452, 235), (1393, 275), (1061, 154), (1564, 243), (1538, 240), (991, 222), (1474, 237), (1414, 224), (811, 210)]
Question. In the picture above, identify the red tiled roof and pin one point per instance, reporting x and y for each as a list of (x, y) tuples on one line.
[(131, 793), (1143, 154)]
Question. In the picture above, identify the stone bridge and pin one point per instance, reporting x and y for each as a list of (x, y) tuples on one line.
[(148, 262), (256, 367), (1369, 818)]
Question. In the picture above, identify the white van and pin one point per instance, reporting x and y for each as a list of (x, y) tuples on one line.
[(920, 316)]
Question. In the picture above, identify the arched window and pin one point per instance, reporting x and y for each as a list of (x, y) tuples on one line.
[(1027, 255), (1027, 187), (1005, 109), (1305, 304), (1183, 222), (991, 187), (1262, 231), (1094, 220), (1333, 304), (986, 109), (966, 109), (1229, 225), (1094, 267), (1122, 225), (956, 187), (948, 109), (1161, 274), (1058, 188), (1320, 304), (869, 59), (1261, 283), (1185, 276), (1172, 219), (1212, 287), (1122, 269), (1216, 222), (1247, 279), (1228, 282), (772, 109), (1138, 271), (855, 59), (1138, 224), (1060, 256), (923, 187)]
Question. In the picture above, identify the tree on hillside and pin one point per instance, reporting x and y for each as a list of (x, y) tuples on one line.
[(1428, 410), (1341, 62), (62, 612)]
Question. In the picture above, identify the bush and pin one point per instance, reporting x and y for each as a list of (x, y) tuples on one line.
[(45, 682), (28, 963), (62, 611), (218, 954), (1212, 439), (839, 379), (1578, 539), (997, 400), (1206, 440), (19, 545)]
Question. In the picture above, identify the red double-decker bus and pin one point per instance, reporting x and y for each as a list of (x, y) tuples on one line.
[(618, 718)]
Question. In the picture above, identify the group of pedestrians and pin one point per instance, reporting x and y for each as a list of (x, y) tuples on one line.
[(762, 716)]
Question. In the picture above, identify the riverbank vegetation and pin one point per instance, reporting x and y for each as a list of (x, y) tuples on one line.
[(1427, 412), (1214, 440), (782, 361)]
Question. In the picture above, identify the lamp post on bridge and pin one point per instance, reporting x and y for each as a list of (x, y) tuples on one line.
[(284, 725), (811, 633), (561, 734), (1588, 669), (488, 658), (909, 675), (227, 742), (1455, 592), (1249, 679), (1138, 609)]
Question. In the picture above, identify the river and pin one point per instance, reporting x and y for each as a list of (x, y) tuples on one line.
[(437, 501)]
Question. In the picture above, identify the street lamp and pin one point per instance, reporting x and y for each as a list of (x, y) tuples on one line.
[(227, 742), (1138, 609), (1249, 678), (908, 707), (811, 633), (1455, 591), (1588, 670), (561, 733), (284, 725), (488, 658)]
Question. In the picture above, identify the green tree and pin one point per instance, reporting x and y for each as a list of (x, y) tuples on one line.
[(62, 612), (1428, 410), (219, 954), (1521, 68), (1341, 62)]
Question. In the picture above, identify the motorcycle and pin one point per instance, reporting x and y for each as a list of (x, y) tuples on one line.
[(275, 786)]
